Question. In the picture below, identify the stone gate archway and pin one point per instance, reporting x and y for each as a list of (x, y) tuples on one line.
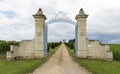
[(37, 47), (59, 17)]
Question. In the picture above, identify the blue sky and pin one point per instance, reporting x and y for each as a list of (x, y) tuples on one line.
[(103, 23), (8, 14)]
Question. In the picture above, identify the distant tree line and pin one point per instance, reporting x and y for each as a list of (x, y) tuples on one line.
[(52, 45), (5, 45), (70, 43)]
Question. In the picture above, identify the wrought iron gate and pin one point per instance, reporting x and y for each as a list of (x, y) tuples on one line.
[(59, 17)]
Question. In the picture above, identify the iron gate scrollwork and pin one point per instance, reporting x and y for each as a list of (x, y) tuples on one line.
[(59, 17)]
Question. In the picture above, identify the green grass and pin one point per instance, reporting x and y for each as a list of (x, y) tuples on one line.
[(2, 56), (19, 66), (52, 51), (100, 67), (116, 51), (71, 51), (22, 66), (97, 66)]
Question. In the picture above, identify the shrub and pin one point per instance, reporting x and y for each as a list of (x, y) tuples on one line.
[(5, 45)]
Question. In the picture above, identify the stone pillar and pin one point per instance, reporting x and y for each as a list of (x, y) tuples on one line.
[(10, 54), (81, 23), (39, 34)]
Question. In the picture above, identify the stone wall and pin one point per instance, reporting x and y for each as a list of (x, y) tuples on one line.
[(96, 50), (25, 50)]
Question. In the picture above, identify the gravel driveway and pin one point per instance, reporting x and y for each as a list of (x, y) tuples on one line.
[(61, 63)]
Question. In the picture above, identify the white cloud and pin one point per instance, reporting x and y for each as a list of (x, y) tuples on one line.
[(103, 16), (61, 31)]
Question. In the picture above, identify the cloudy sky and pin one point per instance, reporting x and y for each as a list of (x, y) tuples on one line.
[(103, 23)]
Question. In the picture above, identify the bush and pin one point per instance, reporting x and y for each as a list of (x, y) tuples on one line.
[(5, 45), (70, 43), (53, 44)]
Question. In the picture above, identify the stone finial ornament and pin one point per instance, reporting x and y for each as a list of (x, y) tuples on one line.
[(40, 14), (81, 14)]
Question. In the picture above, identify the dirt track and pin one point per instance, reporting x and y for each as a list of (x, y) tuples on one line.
[(61, 63)]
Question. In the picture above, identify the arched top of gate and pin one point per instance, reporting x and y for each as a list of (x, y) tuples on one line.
[(60, 16)]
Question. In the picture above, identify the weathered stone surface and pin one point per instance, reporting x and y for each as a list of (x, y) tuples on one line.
[(90, 49), (28, 49), (9, 56)]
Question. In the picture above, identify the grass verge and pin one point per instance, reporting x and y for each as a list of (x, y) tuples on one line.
[(22, 66), (97, 66)]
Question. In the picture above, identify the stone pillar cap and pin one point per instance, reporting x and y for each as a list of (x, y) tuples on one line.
[(40, 14), (81, 14)]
